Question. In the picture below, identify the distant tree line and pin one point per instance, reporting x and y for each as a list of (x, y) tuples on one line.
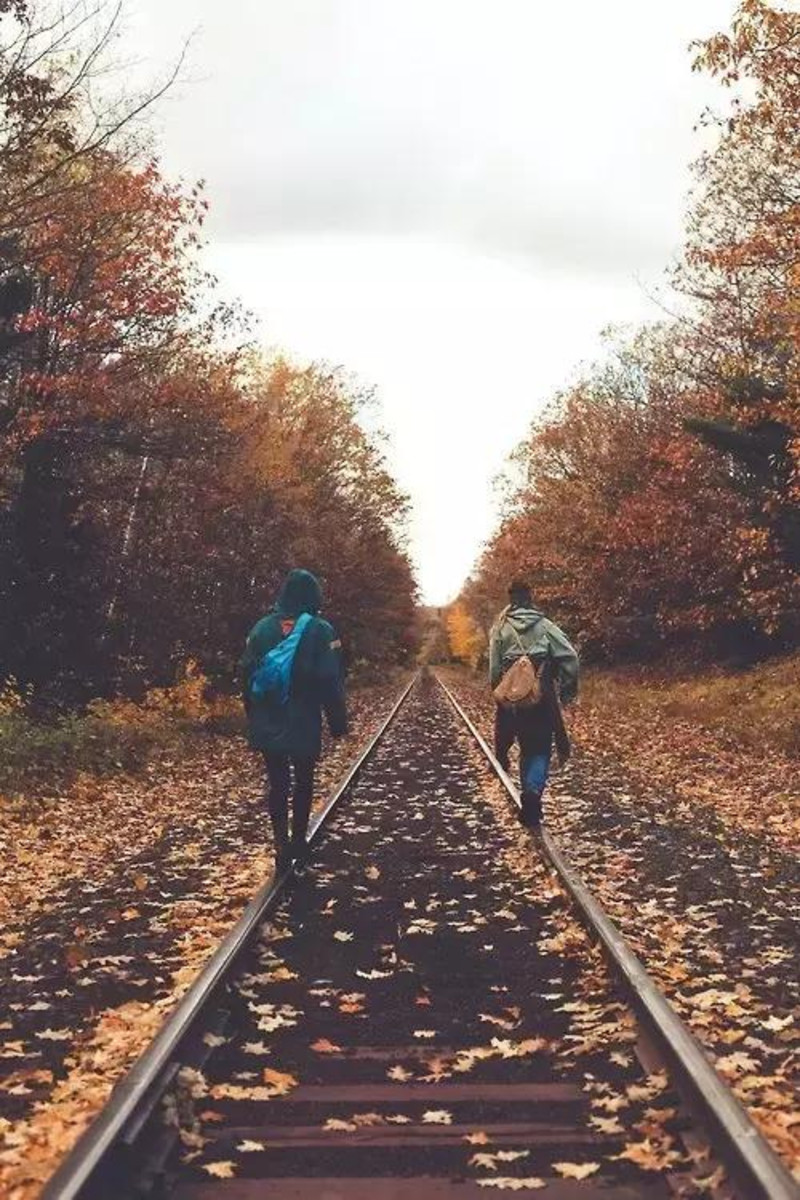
[(157, 477), (655, 504)]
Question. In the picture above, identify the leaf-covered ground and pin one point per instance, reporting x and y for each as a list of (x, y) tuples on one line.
[(112, 900), (706, 894), (726, 738), (426, 1008)]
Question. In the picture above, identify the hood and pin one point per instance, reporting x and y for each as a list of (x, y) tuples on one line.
[(524, 618), (300, 593)]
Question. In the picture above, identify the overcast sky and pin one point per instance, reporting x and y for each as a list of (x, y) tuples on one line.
[(451, 198)]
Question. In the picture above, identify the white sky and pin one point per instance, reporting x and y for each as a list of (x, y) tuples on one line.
[(451, 198)]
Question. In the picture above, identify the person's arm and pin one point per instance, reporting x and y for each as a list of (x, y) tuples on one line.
[(565, 657), (495, 656), (330, 678), (248, 663)]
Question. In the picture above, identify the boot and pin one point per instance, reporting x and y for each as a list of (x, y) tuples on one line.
[(531, 814), (283, 855), (299, 850)]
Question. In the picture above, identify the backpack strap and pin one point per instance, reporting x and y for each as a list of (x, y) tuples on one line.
[(517, 638)]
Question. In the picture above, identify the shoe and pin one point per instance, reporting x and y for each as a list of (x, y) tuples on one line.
[(300, 858), (531, 815)]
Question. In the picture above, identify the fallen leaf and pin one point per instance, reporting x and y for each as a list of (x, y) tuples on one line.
[(576, 1170), (323, 1046), (75, 955), (437, 1116), (608, 1125), (368, 1119), (220, 1170), (256, 1048), (489, 1159), (279, 1081), (510, 1184)]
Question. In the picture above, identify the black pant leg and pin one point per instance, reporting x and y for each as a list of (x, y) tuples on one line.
[(279, 783), (505, 732), (301, 800), (535, 729)]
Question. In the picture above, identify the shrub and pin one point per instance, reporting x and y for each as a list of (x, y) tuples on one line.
[(110, 736)]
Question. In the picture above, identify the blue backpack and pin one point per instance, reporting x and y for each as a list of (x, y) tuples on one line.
[(273, 675)]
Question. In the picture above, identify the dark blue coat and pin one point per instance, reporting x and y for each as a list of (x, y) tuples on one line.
[(295, 729)]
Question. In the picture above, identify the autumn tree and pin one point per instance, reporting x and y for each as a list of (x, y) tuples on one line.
[(624, 526), (464, 635), (156, 478), (742, 267), (655, 504)]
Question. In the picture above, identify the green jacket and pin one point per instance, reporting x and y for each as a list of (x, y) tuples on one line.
[(295, 729), (540, 638)]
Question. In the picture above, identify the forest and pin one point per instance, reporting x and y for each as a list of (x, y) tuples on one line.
[(158, 475), (655, 503), (429, 938)]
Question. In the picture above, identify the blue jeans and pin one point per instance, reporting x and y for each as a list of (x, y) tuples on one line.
[(534, 770), (533, 730)]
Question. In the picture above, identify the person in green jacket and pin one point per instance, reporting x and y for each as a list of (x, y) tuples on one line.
[(285, 724), (523, 629)]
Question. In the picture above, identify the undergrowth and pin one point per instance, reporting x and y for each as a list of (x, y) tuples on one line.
[(108, 736), (757, 707)]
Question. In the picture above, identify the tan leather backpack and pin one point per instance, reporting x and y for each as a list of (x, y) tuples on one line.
[(521, 686)]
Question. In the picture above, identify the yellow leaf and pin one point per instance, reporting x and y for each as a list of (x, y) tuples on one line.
[(576, 1170), (279, 1081), (220, 1170), (607, 1124)]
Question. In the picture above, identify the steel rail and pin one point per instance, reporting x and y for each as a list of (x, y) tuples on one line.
[(139, 1085), (748, 1156)]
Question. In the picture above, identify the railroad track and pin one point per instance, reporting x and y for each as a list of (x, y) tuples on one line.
[(419, 1018)]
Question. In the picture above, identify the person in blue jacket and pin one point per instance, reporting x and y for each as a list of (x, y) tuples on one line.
[(286, 724)]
